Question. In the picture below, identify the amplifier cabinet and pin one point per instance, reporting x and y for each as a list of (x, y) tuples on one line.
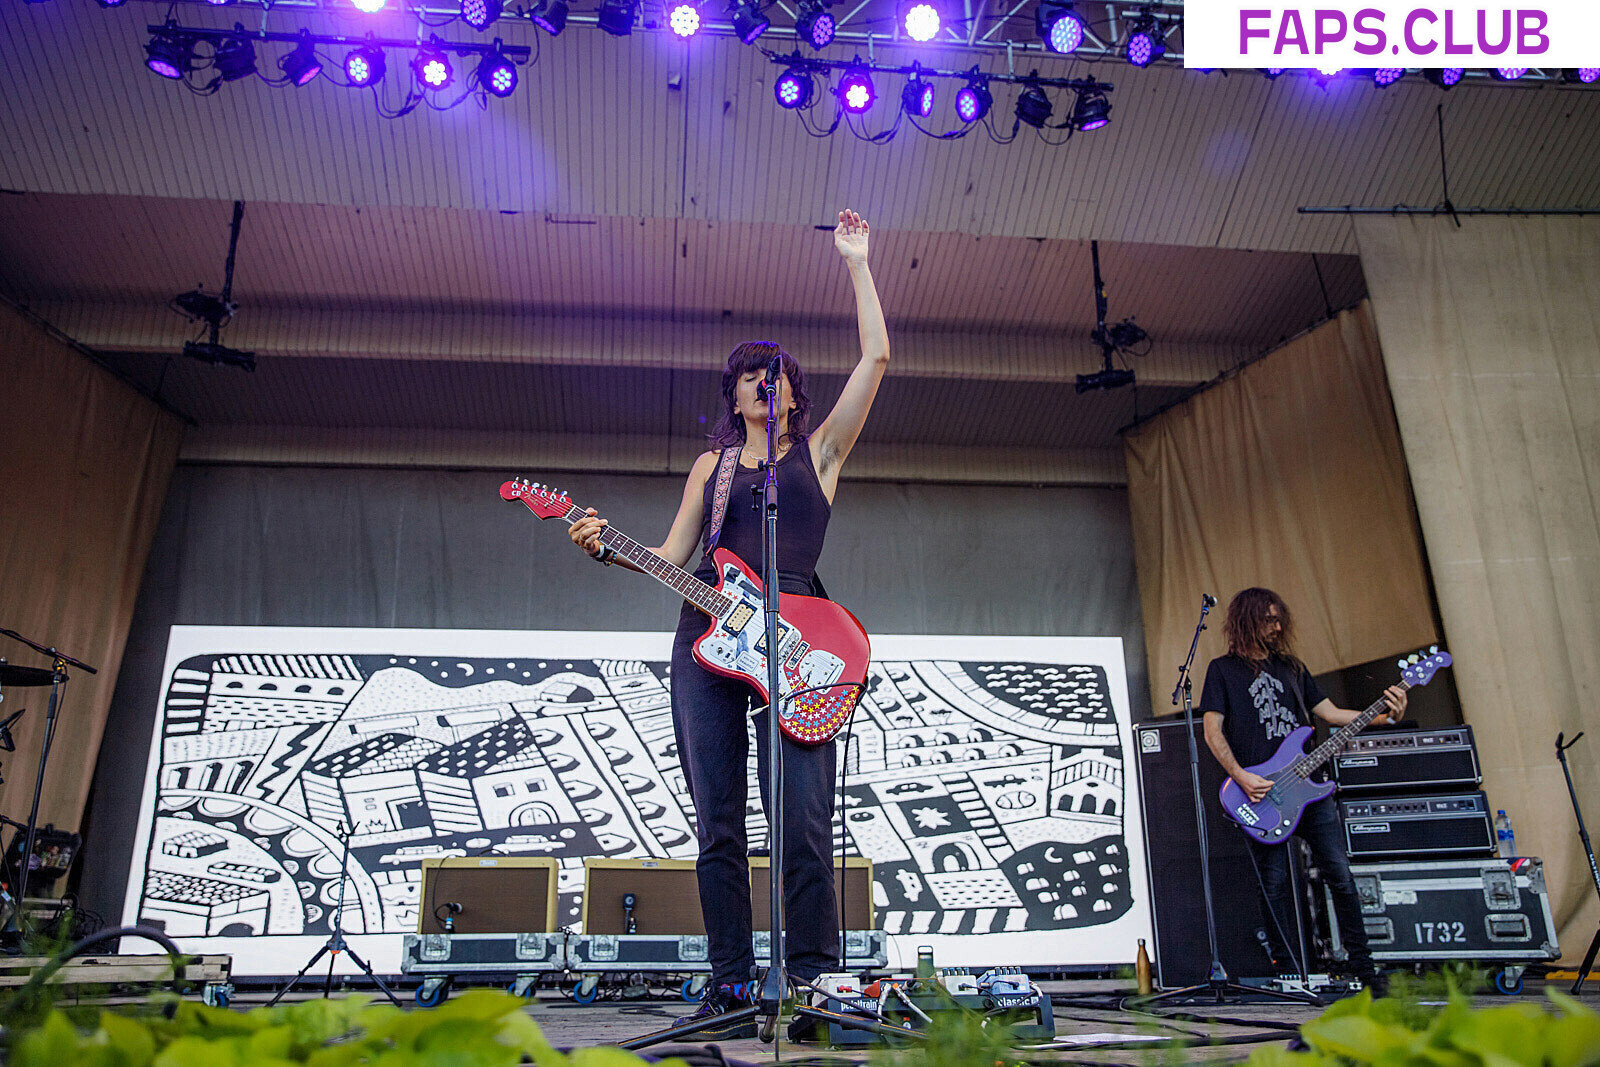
[(492, 894), (1452, 909), (852, 892), (1408, 760), (642, 897), (1449, 824)]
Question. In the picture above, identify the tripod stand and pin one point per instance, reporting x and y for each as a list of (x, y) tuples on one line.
[(336, 942), (1217, 982), (1583, 833)]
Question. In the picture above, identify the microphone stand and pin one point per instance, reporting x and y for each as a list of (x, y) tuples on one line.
[(58, 685), (1583, 834), (775, 985), (1217, 983)]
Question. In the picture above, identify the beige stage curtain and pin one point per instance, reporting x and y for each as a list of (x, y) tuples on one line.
[(85, 466), (1287, 475), (1492, 336)]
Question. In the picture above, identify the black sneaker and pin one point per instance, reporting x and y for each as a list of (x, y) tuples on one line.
[(719, 1000)]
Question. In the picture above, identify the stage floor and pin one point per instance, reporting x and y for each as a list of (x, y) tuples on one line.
[(568, 1024)]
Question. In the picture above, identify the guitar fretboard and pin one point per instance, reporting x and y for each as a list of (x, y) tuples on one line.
[(1336, 741), (668, 574)]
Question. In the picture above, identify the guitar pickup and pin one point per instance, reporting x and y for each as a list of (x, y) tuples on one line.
[(741, 614)]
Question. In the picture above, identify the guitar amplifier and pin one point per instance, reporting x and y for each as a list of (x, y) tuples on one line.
[(1450, 824), (1410, 759), (1452, 909), (487, 895)]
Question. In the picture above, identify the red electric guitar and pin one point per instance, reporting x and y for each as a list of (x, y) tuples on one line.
[(823, 650)]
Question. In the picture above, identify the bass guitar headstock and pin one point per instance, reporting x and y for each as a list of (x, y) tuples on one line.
[(1419, 667), (544, 501)]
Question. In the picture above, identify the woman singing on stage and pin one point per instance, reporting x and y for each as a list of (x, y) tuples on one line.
[(709, 710)]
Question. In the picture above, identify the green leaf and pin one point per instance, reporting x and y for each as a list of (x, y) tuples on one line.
[(132, 1041), (54, 1043)]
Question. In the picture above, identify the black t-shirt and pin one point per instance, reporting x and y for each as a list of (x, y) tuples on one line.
[(1260, 706)]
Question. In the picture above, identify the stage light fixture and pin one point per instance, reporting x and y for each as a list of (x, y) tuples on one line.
[(973, 100), (170, 55), (1271, 73), (550, 16), (1146, 42), (496, 73), (1059, 24), (1445, 77), (1581, 75), (480, 13), (1510, 74), (815, 25), (369, 7), (110, 3), (364, 66), (748, 21), (432, 67), (922, 22), (616, 17), (301, 66), (1326, 74), (1033, 107), (684, 20), (234, 58), (1091, 110), (856, 91), (794, 88), (1383, 77), (917, 98), (219, 3)]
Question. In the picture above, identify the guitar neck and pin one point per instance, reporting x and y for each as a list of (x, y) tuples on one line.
[(668, 574), (1340, 737)]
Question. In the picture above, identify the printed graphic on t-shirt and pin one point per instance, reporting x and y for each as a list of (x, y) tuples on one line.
[(1276, 719)]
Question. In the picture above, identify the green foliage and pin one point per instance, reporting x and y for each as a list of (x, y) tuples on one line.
[(1396, 1032), (480, 1028), (957, 1039)]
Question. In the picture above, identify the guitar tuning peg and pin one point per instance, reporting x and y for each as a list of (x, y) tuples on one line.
[(1402, 664), (1433, 650)]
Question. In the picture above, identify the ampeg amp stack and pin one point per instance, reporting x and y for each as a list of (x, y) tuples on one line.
[(1413, 794), (1408, 761)]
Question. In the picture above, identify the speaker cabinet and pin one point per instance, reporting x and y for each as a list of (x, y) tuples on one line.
[(852, 892), (1172, 846), (665, 897), (496, 895)]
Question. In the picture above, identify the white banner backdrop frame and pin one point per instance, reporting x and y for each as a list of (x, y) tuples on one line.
[(990, 780)]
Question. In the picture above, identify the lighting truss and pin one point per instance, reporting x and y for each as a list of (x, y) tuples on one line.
[(973, 100), (362, 65)]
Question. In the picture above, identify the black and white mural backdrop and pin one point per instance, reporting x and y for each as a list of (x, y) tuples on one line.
[(988, 780)]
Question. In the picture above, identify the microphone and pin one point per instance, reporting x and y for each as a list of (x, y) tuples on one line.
[(7, 743), (1207, 600), (770, 382)]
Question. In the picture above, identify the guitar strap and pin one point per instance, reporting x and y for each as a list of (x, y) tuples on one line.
[(719, 495)]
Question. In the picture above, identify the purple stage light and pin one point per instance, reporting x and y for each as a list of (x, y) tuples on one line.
[(1444, 77), (1510, 74), (169, 56), (922, 22), (1329, 72), (748, 21), (301, 66), (1141, 49), (363, 67), (856, 91), (1091, 110), (917, 98), (432, 68), (1059, 26), (1271, 73), (973, 101), (793, 88), (234, 58), (480, 13), (219, 3), (369, 7), (815, 26), (616, 16), (1146, 42), (685, 20), (1384, 77), (1587, 75), (550, 16), (111, 3), (496, 73)]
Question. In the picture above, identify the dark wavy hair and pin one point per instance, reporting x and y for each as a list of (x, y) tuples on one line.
[(1245, 628), (755, 356)]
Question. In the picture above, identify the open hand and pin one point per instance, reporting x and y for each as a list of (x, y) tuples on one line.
[(850, 236)]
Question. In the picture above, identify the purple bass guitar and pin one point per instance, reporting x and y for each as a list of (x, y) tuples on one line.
[(1273, 818)]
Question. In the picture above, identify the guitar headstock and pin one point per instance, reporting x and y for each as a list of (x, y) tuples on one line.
[(544, 501), (1419, 667)]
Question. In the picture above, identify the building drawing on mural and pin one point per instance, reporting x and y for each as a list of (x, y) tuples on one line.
[(989, 795)]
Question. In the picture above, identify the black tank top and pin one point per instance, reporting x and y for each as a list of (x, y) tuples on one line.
[(803, 513)]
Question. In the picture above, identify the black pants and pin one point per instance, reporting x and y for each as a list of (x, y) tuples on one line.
[(1322, 829), (709, 713)]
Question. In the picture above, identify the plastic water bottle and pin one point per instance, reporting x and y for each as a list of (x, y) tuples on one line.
[(1505, 839)]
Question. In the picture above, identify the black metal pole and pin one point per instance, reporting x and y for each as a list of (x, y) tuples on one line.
[(58, 684), (1594, 870), (773, 989)]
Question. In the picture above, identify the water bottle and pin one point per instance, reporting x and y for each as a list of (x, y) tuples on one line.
[(1505, 840)]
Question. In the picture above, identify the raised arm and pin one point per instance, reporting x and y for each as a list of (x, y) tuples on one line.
[(833, 440)]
